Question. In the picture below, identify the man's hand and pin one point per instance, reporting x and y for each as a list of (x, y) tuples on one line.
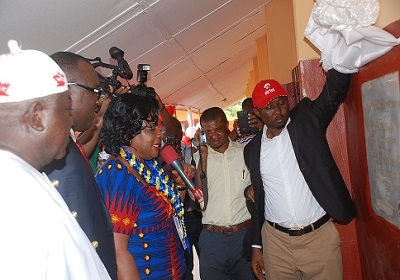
[(255, 121), (250, 193), (235, 133), (257, 263), (121, 90), (187, 169)]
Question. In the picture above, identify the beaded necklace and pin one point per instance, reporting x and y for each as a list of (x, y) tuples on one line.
[(155, 175)]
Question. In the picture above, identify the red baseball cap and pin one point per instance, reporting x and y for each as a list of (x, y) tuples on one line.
[(265, 91)]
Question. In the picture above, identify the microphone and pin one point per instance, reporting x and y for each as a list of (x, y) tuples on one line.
[(171, 158), (125, 69)]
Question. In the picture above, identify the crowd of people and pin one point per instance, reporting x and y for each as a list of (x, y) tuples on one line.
[(269, 200)]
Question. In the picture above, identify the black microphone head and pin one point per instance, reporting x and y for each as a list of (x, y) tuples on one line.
[(116, 53)]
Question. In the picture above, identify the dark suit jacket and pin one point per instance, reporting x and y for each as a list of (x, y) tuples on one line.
[(307, 128), (79, 190)]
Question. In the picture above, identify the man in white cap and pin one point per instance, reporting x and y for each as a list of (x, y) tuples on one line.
[(40, 237)]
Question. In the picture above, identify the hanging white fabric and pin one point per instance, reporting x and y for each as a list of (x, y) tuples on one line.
[(342, 30)]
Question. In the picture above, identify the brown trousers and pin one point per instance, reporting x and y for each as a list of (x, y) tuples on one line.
[(315, 255)]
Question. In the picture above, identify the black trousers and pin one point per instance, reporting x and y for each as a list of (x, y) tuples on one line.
[(193, 229)]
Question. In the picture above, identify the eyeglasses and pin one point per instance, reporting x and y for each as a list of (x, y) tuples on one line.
[(97, 91), (149, 125)]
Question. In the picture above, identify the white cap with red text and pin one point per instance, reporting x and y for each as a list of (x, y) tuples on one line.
[(28, 74)]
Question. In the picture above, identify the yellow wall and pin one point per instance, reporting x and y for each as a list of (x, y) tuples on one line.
[(389, 12), (276, 52), (262, 60), (281, 39), (301, 13)]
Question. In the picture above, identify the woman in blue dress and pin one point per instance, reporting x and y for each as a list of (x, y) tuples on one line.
[(143, 201)]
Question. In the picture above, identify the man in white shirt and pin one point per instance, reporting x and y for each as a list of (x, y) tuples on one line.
[(226, 218), (297, 184), (40, 236)]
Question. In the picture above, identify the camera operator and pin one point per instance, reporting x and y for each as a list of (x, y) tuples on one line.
[(89, 139), (254, 122)]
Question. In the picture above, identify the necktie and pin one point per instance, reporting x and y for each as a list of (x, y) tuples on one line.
[(84, 155)]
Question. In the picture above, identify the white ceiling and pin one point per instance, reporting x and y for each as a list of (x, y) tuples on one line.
[(200, 51)]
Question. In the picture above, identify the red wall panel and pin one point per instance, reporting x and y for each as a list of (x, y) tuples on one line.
[(379, 240)]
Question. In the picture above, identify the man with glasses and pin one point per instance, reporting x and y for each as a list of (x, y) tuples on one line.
[(97, 90), (76, 182)]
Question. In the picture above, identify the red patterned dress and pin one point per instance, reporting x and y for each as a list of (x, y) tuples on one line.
[(145, 214)]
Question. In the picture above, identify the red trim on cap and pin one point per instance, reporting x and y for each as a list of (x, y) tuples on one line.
[(60, 79), (3, 88)]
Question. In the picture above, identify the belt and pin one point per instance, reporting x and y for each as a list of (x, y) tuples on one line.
[(298, 231), (228, 229)]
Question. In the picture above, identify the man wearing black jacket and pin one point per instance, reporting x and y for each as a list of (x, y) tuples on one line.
[(297, 185), (77, 184)]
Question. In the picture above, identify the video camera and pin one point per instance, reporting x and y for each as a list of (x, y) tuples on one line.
[(122, 70)]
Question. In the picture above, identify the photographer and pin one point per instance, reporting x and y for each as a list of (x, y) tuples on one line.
[(253, 122), (89, 139)]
